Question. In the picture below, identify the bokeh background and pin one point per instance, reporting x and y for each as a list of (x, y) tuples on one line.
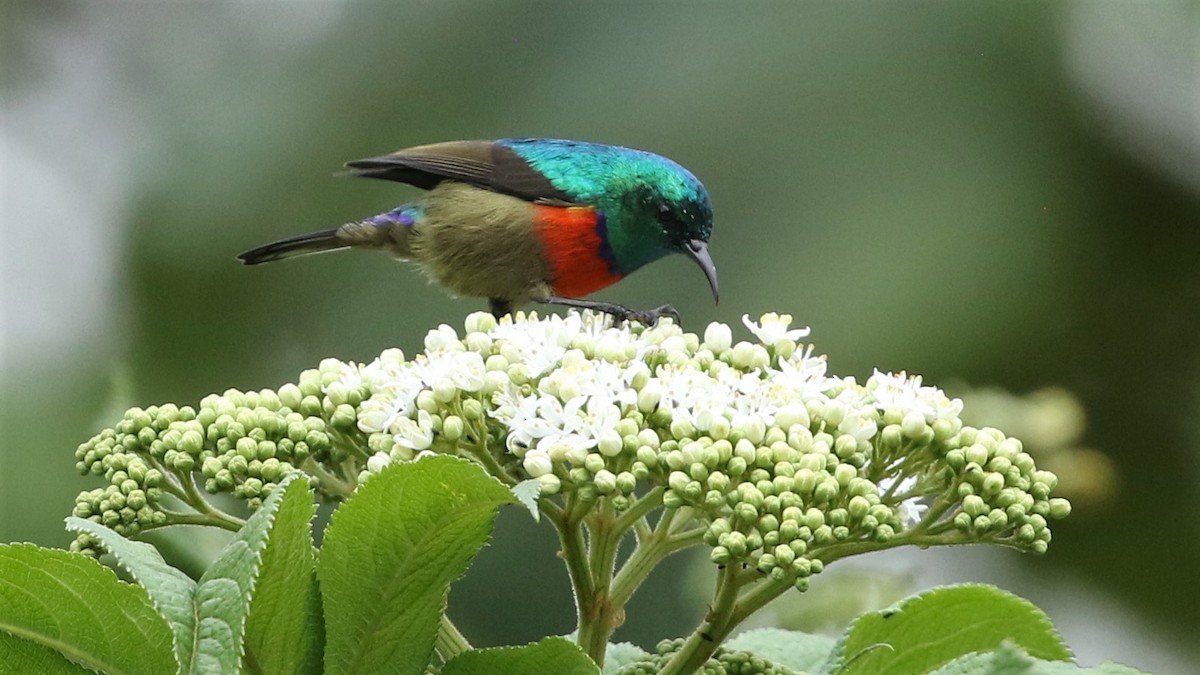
[(991, 194)]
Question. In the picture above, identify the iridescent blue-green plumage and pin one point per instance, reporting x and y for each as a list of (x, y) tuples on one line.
[(653, 205), (515, 220)]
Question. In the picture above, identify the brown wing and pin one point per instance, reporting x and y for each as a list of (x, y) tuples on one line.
[(484, 164)]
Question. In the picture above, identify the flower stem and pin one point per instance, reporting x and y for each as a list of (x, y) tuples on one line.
[(717, 625)]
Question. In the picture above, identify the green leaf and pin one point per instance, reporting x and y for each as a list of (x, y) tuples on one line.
[(527, 492), (930, 629), (26, 656), (551, 655), (284, 633), (222, 598), (802, 652), (206, 618), (621, 654), (77, 607), (169, 589), (1009, 659), (391, 552)]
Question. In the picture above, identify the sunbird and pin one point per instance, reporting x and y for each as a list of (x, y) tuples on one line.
[(528, 220)]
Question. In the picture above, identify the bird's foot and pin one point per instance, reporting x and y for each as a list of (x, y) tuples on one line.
[(620, 313), (646, 317)]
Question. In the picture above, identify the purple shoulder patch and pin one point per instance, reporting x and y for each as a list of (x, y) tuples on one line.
[(405, 215)]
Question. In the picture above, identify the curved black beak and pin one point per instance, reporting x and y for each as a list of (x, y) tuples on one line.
[(698, 250)]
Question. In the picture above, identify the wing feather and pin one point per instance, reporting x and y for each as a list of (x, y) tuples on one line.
[(484, 164)]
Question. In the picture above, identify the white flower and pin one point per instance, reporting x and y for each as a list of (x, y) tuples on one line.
[(415, 434), (442, 338), (773, 328), (909, 510), (465, 370), (378, 462), (540, 345), (902, 394)]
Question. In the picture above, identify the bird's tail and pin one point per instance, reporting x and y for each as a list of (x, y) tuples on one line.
[(388, 231), (302, 244)]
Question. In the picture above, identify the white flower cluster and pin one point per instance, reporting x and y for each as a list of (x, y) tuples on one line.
[(756, 435)]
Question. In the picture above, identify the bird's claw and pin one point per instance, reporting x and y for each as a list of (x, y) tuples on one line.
[(650, 317)]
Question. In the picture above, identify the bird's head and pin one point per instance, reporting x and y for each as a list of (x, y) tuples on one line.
[(672, 213)]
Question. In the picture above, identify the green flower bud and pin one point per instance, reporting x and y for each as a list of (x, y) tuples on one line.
[(720, 555), (593, 463), (1059, 508), (604, 480), (784, 555), (823, 535), (672, 500), (736, 543), (883, 533), (247, 448), (610, 444), (745, 512), (626, 482), (944, 429), (962, 521), (789, 530), (992, 484), (736, 467), (997, 519), (766, 563), (858, 507), (452, 428), (265, 449), (814, 518), (826, 491), (973, 505), (977, 454), (549, 484), (147, 436), (717, 481), (767, 523), (237, 465), (999, 463), (182, 463)]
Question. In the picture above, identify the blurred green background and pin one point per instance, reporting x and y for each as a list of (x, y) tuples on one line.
[(993, 193)]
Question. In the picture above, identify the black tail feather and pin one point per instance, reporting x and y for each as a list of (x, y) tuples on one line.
[(303, 244)]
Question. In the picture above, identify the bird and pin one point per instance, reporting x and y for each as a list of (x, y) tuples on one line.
[(522, 220)]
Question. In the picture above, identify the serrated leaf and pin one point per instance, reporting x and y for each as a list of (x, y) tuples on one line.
[(1009, 659), (222, 597), (25, 656), (528, 491), (169, 589), (74, 605), (391, 552), (551, 655), (929, 629), (284, 631), (802, 652), (621, 654)]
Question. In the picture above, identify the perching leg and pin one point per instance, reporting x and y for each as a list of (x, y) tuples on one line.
[(499, 307), (648, 317)]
